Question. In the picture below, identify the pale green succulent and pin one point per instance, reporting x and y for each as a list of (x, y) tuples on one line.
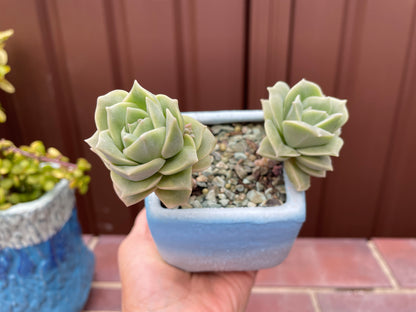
[(149, 146), (303, 129)]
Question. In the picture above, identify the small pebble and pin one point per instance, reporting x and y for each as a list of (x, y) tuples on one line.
[(241, 173), (202, 178), (224, 202), (238, 147), (256, 197), (281, 189), (240, 156), (246, 181), (238, 176), (273, 202), (259, 187), (218, 181), (196, 204), (269, 193), (211, 196)]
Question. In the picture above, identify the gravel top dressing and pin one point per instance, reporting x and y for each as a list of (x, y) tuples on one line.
[(238, 177)]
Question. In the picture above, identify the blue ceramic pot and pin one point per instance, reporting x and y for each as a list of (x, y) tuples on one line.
[(44, 264), (226, 239)]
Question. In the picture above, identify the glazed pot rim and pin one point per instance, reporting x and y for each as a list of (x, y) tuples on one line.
[(294, 209), (37, 203)]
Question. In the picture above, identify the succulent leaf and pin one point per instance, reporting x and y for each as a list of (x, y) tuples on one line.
[(173, 198), (316, 162), (295, 111), (303, 131), (298, 177), (179, 181), (174, 137), (187, 157), (134, 114), (202, 164), (106, 146), (330, 149), (207, 142), (332, 123), (197, 130), (314, 116), (279, 147), (116, 121), (311, 172), (172, 106), (155, 113), (149, 146), (138, 172), (129, 188), (304, 89), (104, 101), (138, 95), (143, 126), (301, 134)]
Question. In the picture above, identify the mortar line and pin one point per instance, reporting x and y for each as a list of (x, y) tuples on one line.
[(314, 300), (93, 242), (106, 285), (294, 290), (382, 263)]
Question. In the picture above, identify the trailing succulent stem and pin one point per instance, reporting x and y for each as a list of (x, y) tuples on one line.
[(27, 172), (303, 128), (148, 146)]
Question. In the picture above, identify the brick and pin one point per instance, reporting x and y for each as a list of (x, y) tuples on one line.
[(282, 302), (366, 302), (102, 299), (106, 266), (400, 255), (326, 263)]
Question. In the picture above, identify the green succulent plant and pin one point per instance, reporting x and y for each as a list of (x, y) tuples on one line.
[(27, 172), (148, 146), (303, 128)]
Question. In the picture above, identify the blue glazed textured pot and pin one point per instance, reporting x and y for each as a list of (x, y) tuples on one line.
[(44, 264), (227, 239)]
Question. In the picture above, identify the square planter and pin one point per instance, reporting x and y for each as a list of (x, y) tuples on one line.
[(227, 239)]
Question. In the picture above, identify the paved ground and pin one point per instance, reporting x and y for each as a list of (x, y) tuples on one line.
[(319, 275)]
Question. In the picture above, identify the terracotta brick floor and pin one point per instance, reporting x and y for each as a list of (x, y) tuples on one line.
[(319, 275)]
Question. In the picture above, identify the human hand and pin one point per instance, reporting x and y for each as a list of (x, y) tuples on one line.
[(150, 284)]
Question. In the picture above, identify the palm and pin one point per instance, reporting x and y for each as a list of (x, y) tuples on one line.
[(149, 284)]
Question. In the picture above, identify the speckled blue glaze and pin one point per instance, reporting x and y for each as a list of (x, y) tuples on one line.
[(52, 276)]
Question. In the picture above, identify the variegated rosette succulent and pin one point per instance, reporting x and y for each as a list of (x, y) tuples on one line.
[(149, 146), (303, 129)]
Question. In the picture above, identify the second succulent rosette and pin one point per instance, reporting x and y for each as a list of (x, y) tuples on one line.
[(149, 146), (303, 128)]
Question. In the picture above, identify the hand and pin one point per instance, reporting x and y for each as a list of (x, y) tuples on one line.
[(150, 284)]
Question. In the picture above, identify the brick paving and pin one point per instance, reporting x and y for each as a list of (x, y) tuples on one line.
[(320, 275)]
